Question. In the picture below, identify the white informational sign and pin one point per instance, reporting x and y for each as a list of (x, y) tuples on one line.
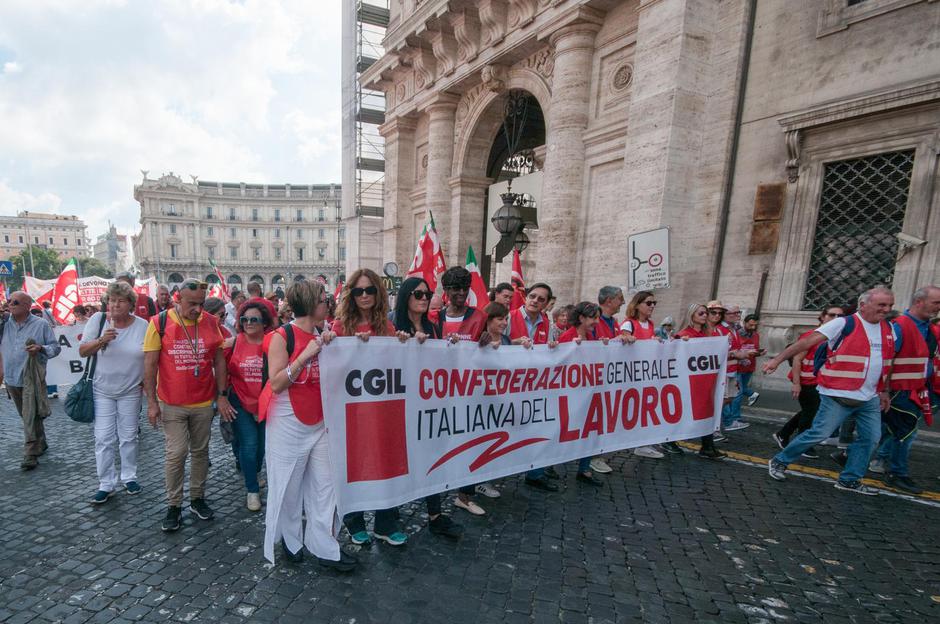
[(649, 260), (408, 420), (67, 367)]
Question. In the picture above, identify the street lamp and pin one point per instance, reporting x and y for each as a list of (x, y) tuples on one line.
[(521, 241), (507, 220)]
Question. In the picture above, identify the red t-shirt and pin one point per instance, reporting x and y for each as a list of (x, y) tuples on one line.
[(144, 307), (337, 328), (244, 372), (470, 327), (572, 332), (692, 333)]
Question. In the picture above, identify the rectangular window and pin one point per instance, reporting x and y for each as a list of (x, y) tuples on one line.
[(277, 253), (320, 215), (35, 240), (254, 232), (861, 211), (174, 251), (300, 215), (300, 234), (211, 253), (65, 241), (321, 252), (21, 239), (231, 232), (300, 254), (51, 241), (342, 253), (210, 231), (6, 238), (277, 232), (342, 233), (78, 242), (209, 212), (231, 214), (254, 214), (321, 233), (277, 214), (256, 252), (172, 228), (171, 209), (233, 253)]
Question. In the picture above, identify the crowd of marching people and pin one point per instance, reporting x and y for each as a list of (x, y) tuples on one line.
[(861, 378)]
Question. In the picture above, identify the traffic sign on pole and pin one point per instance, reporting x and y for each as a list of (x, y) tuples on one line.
[(649, 260), (6, 268)]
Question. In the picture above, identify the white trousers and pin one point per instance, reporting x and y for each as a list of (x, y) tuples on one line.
[(116, 423), (300, 482)]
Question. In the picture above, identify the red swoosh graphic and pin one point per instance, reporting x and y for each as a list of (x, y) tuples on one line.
[(493, 452)]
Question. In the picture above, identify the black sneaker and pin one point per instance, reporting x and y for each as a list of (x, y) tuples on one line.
[(551, 473), (542, 483), (781, 441), (199, 507), (840, 457), (902, 483), (443, 525), (346, 563), (296, 557), (173, 520), (29, 462), (672, 448), (857, 487), (711, 453), (590, 479)]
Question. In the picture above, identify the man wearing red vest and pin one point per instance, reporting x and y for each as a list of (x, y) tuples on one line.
[(145, 307), (852, 382), (915, 387), (530, 321), (610, 300), (184, 372)]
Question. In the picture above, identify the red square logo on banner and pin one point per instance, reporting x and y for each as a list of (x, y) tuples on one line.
[(376, 448), (702, 388)]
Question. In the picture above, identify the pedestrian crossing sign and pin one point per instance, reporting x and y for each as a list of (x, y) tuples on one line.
[(6, 268)]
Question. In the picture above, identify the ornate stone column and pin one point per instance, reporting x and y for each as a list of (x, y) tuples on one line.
[(467, 219), (441, 116), (563, 184), (399, 136)]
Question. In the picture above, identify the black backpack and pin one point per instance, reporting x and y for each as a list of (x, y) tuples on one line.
[(289, 339)]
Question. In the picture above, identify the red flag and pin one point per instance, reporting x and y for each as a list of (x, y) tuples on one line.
[(65, 294), (223, 287), (518, 284), (339, 289), (478, 297), (429, 258)]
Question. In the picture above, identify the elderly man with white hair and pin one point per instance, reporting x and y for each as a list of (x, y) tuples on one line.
[(853, 381)]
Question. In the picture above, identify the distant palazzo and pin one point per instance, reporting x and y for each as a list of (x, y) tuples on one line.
[(785, 149), (267, 233)]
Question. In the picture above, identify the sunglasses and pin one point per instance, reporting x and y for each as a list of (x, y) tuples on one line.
[(651, 303), (250, 320), (196, 285), (368, 290), (421, 294), (718, 312)]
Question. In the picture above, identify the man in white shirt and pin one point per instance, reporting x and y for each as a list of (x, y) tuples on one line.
[(850, 384)]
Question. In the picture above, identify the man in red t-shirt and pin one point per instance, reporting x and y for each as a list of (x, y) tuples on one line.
[(255, 296), (145, 307), (457, 318)]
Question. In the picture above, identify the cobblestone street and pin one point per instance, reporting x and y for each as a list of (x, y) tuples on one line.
[(675, 540)]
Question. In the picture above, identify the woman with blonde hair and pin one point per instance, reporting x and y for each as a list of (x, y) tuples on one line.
[(300, 479), (116, 339)]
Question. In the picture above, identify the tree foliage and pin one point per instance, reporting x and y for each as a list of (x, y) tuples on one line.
[(93, 266), (48, 265)]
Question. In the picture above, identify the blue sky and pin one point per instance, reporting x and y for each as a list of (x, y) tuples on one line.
[(91, 92)]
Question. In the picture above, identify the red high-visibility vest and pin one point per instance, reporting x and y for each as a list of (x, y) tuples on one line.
[(846, 367), (735, 345), (909, 368), (603, 330), (519, 329), (633, 327), (807, 376), (935, 329)]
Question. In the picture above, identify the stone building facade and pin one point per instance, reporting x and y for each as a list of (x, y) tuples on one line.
[(266, 233), (65, 234), (790, 147), (111, 250)]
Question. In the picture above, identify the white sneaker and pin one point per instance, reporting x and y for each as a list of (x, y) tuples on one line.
[(877, 466), (751, 400), (600, 466), (487, 490), (253, 501), (647, 451), (736, 425)]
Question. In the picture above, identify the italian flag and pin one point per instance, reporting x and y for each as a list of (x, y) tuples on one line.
[(478, 296), (429, 257), (222, 286)]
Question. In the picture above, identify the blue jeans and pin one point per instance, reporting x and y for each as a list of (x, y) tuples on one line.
[(732, 411), (895, 453), (831, 414), (250, 435)]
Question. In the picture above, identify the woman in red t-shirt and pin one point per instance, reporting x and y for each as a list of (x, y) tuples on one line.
[(245, 361), (363, 307), (695, 325), (582, 319)]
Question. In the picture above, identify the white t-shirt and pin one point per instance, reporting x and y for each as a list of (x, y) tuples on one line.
[(832, 330), (120, 367)]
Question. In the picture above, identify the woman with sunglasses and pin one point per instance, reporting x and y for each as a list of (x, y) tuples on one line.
[(363, 312), (803, 378), (300, 478), (639, 326), (245, 362), (411, 321), (216, 307), (582, 319)]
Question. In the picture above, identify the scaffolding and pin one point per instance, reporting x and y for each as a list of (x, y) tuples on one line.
[(371, 22)]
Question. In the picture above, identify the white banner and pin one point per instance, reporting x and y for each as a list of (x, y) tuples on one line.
[(405, 421), (67, 367)]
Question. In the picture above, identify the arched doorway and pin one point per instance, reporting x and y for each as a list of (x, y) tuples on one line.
[(299, 278), (279, 285), (212, 278), (258, 280), (174, 280), (235, 282)]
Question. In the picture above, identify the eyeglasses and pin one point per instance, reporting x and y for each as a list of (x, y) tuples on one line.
[(368, 290), (250, 320), (421, 294), (196, 285), (651, 303)]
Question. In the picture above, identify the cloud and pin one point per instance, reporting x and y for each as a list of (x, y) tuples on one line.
[(224, 90), (13, 201)]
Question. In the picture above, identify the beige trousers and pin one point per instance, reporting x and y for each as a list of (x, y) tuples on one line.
[(186, 430)]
